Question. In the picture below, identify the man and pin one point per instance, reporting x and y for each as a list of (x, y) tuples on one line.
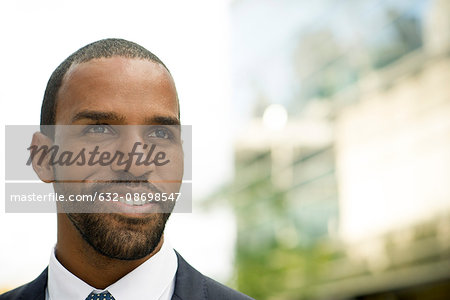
[(106, 91)]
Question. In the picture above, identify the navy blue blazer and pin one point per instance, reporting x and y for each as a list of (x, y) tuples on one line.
[(189, 285)]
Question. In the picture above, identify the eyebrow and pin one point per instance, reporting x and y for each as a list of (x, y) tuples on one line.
[(162, 120), (97, 116), (111, 116)]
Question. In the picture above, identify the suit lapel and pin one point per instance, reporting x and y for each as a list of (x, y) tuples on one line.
[(35, 290), (189, 283)]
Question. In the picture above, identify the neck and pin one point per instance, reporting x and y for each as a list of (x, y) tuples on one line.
[(83, 261)]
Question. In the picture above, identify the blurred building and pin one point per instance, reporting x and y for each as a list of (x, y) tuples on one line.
[(350, 199)]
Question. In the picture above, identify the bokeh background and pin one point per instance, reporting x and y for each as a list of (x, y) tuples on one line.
[(321, 137)]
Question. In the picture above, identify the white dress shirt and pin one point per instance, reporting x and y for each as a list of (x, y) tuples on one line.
[(152, 280)]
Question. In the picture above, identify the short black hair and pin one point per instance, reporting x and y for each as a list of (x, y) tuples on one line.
[(100, 49)]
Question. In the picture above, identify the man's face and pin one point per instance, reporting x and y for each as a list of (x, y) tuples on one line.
[(113, 102)]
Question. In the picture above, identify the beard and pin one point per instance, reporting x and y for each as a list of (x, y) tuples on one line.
[(112, 234), (120, 237)]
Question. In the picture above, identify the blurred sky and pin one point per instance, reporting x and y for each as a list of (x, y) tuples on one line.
[(264, 41), (192, 38)]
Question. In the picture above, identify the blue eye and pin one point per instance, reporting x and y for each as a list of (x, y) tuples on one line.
[(160, 133), (99, 129)]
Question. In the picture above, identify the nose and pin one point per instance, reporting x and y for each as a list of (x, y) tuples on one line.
[(135, 152)]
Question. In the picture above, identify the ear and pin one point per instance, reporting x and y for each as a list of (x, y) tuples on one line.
[(40, 155)]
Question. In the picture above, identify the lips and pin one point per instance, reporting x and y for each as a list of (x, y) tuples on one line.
[(132, 207), (130, 200), (134, 199), (133, 196)]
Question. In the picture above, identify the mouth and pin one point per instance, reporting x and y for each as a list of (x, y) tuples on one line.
[(135, 199), (128, 200), (134, 208)]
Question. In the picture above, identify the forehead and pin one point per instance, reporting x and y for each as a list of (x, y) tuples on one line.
[(133, 88)]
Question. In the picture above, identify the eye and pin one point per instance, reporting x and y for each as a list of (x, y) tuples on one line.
[(160, 133), (99, 129)]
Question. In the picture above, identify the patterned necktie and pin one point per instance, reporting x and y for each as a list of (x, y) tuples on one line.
[(101, 296)]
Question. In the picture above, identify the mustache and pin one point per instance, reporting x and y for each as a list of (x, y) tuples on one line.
[(143, 187), (124, 182)]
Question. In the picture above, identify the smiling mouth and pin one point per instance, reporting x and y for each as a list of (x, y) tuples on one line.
[(133, 204), (135, 199), (131, 193)]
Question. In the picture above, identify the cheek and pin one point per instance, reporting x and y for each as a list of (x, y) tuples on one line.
[(173, 170), (76, 161), (76, 173)]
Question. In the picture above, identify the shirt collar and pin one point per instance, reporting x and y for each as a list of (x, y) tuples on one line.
[(151, 280)]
